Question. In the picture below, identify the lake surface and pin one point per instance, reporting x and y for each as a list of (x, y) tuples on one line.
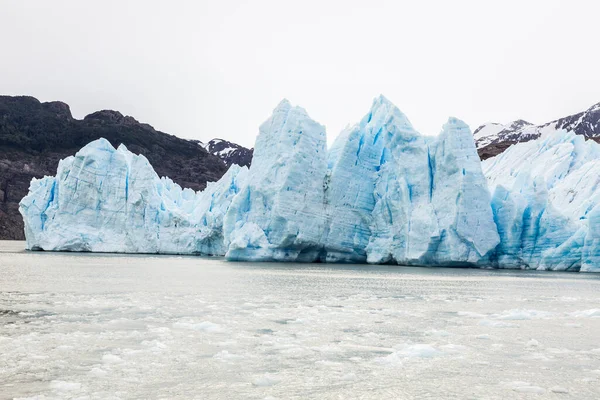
[(94, 326)]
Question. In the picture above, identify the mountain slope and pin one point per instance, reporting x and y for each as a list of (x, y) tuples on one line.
[(493, 138), (230, 153), (34, 136)]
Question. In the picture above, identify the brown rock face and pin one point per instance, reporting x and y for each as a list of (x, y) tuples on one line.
[(34, 136)]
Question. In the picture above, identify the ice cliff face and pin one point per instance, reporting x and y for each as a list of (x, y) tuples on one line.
[(110, 200), (354, 162), (545, 200), (394, 195), (279, 213), (383, 193)]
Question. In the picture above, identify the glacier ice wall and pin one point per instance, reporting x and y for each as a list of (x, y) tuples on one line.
[(394, 195), (110, 200), (354, 162), (384, 193), (545, 197), (467, 232), (279, 214)]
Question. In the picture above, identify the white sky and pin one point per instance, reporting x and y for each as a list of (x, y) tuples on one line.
[(204, 69)]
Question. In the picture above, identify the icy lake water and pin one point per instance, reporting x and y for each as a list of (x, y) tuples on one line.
[(136, 327)]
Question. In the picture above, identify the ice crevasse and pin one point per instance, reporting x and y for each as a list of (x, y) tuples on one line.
[(383, 193)]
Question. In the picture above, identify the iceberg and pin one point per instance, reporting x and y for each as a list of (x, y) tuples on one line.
[(110, 200)]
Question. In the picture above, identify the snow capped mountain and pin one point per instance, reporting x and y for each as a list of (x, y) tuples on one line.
[(230, 153), (493, 138), (585, 123), (494, 132)]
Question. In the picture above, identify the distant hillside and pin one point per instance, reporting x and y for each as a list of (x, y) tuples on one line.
[(34, 136), (493, 138), (230, 152)]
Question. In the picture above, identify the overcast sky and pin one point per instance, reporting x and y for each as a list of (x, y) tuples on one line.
[(204, 69)]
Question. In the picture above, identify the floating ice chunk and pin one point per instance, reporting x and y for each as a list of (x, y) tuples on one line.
[(529, 389), (558, 389), (517, 314), (470, 314), (65, 386), (266, 380), (439, 333), (111, 359), (496, 324), (205, 326), (418, 351), (591, 313), (225, 355), (453, 348), (524, 387), (98, 372)]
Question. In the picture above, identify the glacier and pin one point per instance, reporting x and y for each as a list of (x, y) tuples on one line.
[(394, 195), (278, 215), (546, 202), (382, 194), (110, 200)]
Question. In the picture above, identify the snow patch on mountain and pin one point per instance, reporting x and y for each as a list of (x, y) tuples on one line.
[(493, 138), (231, 153)]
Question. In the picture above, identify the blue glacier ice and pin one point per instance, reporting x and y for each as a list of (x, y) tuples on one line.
[(394, 195), (110, 200), (279, 214), (383, 193), (353, 165), (545, 200)]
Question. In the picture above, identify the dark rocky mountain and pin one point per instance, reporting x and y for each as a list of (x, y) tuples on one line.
[(230, 153), (493, 138), (34, 136)]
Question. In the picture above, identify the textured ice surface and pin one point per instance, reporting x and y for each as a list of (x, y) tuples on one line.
[(545, 199), (279, 214), (110, 200), (395, 195), (171, 327), (355, 161), (383, 193)]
